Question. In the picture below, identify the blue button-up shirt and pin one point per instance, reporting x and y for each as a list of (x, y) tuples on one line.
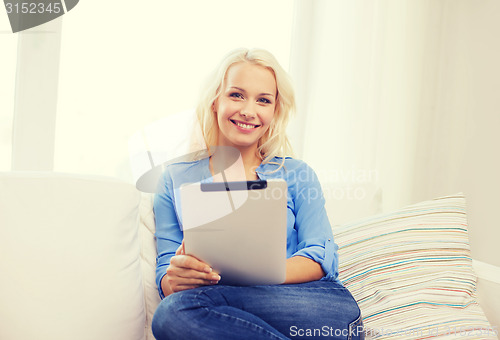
[(309, 233)]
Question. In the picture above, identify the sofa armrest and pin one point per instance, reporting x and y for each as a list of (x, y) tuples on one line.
[(69, 258)]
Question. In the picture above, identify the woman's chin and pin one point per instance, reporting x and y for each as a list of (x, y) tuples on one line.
[(244, 144)]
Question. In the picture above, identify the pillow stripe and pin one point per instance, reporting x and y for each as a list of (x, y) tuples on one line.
[(411, 272)]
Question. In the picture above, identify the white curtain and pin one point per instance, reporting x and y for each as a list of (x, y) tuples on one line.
[(398, 100), (363, 91)]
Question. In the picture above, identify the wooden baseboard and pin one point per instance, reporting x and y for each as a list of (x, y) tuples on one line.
[(486, 271)]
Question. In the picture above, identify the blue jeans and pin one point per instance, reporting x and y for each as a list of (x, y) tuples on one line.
[(317, 309)]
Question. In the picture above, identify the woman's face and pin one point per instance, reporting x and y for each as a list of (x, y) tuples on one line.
[(245, 107)]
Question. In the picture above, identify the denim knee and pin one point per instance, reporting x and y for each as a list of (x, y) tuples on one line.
[(174, 314), (160, 320), (167, 315)]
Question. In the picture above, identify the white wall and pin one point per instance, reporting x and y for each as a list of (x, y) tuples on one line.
[(365, 73), (87, 81), (458, 129), (408, 90)]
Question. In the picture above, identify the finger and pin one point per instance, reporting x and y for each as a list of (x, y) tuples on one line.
[(176, 281), (190, 262), (183, 287), (179, 250), (197, 277), (176, 273)]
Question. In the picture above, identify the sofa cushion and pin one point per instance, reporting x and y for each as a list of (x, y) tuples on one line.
[(69, 258), (148, 259), (411, 272)]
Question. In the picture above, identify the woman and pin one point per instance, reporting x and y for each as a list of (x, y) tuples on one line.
[(246, 105)]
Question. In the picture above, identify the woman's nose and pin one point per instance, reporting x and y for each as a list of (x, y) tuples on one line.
[(248, 111)]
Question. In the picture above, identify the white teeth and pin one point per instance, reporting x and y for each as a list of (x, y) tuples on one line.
[(245, 126)]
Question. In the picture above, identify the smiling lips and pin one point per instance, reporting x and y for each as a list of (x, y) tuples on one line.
[(245, 126)]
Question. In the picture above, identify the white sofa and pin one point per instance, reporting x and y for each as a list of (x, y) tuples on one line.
[(70, 258), (77, 259)]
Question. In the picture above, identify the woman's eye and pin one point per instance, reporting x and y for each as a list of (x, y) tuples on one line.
[(264, 100), (236, 95)]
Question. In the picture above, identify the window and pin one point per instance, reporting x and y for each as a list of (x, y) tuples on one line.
[(126, 64), (8, 43)]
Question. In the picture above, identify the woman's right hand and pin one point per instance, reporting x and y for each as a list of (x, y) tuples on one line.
[(187, 272)]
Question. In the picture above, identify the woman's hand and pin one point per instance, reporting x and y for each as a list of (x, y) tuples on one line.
[(187, 272)]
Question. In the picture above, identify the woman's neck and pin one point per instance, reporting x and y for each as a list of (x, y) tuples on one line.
[(237, 165)]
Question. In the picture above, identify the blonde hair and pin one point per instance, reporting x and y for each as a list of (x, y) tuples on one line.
[(274, 142)]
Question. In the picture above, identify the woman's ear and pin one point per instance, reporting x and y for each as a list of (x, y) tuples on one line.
[(214, 106)]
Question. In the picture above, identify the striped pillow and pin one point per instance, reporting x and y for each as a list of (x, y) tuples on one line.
[(411, 272)]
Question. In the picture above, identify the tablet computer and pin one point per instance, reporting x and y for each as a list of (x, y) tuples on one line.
[(238, 228)]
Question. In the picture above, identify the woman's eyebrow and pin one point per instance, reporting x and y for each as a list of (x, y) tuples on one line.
[(242, 90), (237, 88)]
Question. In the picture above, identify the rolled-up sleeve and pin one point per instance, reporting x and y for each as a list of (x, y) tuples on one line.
[(168, 233), (314, 232)]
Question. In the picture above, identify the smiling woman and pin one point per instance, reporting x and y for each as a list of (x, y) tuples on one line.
[(252, 101), (243, 108), (243, 112)]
